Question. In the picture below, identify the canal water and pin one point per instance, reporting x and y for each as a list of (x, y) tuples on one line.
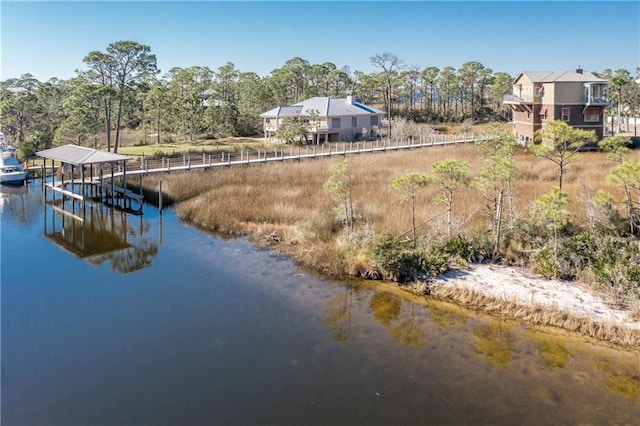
[(112, 319)]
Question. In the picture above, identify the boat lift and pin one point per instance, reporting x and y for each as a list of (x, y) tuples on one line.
[(99, 185)]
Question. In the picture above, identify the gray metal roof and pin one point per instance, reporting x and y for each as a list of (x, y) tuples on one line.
[(326, 107), (561, 76), (79, 155)]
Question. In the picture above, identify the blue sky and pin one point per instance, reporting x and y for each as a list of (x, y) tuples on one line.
[(50, 39)]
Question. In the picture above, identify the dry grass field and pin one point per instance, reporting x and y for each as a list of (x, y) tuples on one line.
[(284, 205)]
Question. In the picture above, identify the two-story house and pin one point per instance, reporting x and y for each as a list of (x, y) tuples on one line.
[(328, 119), (576, 97)]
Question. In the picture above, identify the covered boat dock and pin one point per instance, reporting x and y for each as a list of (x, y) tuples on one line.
[(93, 182)]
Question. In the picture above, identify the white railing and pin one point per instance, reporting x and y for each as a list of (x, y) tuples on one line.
[(599, 100), (513, 99)]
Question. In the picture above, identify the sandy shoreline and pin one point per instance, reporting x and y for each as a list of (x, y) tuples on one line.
[(515, 285)]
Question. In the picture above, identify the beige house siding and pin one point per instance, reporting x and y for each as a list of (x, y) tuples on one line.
[(579, 93), (568, 93), (549, 93)]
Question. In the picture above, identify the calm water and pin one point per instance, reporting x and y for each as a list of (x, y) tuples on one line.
[(116, 319)]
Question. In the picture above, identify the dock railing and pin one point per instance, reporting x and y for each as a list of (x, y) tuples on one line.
[(198, 161)]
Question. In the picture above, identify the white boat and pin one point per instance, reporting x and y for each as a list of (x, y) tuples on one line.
[(11, 171)]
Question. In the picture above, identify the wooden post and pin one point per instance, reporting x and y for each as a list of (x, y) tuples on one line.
[(82, 187), (113, 187), (62, 180), (160, 197), (101, 186), (124, 184)]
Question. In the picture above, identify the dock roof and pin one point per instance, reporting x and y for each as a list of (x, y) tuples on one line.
[(80, 155)]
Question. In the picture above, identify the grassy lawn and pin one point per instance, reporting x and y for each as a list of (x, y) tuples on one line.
[(209, 146)]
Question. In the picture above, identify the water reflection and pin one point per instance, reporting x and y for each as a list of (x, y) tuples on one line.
[(99, 233), (213, 327), (622, 378), (403, 320), (385, 307), (337, 315), (446, 317), (494, 342), (16, 203), (554, 353)]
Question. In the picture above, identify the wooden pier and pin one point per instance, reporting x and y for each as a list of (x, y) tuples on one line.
[(290, 153), (100, 171)]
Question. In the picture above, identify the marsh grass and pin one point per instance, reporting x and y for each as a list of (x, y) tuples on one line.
[(287, 199), (283, 206)]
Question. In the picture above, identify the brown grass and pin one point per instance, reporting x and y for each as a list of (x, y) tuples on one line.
[(290, 194), (540, 316), (283, 206)]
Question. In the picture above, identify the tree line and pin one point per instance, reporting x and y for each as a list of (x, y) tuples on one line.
[(122, 88)]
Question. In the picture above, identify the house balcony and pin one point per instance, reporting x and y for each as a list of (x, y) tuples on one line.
[(596, 100), (318, 129), (517, 100)]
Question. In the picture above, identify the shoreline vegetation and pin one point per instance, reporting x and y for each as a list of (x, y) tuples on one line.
[(348, 218)]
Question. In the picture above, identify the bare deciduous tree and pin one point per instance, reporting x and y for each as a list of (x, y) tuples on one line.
[(390, 64)]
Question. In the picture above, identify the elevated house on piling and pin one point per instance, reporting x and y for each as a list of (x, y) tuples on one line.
[(327, 119), (575, 97)]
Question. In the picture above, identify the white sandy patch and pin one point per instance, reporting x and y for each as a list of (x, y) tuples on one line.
[(514, 285)]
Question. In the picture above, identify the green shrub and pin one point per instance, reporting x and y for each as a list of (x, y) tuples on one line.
[(392, 259), (467, 249), (575, 254), (546, 264), (616, 269), (433, 261)]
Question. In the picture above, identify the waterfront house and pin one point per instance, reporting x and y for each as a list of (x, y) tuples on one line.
[(327, 119), (576, 97)]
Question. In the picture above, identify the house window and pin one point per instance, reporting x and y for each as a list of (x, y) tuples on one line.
[(335, 123), (566, 114), (528, 115), (374, 120), (268, 120), (543, 113), (354, 121), (592, 115)]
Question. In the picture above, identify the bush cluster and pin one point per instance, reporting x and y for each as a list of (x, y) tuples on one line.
[(399, 263)]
